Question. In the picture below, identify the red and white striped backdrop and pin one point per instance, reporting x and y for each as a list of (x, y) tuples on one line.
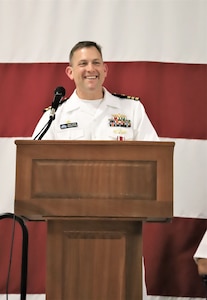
[(155, 49)]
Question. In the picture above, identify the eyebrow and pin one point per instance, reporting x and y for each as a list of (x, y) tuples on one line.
[(95, 59)]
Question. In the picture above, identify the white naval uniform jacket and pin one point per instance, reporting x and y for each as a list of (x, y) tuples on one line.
[(73, 121), (201, 251)]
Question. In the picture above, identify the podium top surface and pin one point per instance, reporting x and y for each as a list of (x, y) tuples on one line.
[(93, 142)]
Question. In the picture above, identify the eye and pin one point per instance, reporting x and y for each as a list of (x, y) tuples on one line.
[(97, 63), (82, 63)]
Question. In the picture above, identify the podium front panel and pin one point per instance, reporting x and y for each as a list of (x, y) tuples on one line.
[(94, 179)]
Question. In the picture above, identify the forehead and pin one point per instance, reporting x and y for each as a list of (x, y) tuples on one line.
[(86, 53)]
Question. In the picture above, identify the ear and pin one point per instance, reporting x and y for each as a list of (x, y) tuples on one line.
[(69, 72), (105, 69)]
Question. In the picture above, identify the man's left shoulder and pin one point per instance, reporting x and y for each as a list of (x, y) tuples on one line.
[(126, 97)]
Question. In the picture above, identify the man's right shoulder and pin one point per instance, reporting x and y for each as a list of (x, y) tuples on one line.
[(61, 102)]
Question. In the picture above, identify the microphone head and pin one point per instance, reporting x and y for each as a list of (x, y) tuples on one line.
[(59, 94), (60, 90)]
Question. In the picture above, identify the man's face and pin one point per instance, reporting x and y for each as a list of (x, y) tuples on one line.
[(88, 71)]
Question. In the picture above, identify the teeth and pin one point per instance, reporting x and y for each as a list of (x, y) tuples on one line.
[(91, 77)]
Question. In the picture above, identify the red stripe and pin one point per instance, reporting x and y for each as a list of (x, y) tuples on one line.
[(174, 95), (36, 257), (168, 252), (168, 249)]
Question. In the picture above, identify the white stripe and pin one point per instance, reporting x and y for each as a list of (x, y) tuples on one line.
[(170, 298), (145, 297), (128, 30), (7, 174), (190, 173), (29, 297)]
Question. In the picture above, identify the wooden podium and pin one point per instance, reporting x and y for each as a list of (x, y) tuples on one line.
[(94, 196)]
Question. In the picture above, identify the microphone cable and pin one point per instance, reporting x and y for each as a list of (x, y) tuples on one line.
[(24, 257), (42, 132), (10, 256)]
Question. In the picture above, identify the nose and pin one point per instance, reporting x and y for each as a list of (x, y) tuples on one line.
[(90, 66)]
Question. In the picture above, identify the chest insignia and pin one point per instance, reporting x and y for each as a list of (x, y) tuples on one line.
[(119, 120), (68, 125)]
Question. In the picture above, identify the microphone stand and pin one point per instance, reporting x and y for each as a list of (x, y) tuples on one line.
[(40, 135), (59, 94)]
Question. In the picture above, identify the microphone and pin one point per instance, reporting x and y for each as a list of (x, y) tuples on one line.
[(59, 93)]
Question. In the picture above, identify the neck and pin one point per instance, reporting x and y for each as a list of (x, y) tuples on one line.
[(93, 95)]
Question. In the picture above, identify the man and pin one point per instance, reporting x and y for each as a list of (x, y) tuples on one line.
[(92, 113), (200, 256)]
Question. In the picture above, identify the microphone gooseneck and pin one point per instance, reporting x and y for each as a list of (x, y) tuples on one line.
[(59, 93)]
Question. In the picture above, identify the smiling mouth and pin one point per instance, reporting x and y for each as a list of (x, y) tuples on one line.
[(91, 77)]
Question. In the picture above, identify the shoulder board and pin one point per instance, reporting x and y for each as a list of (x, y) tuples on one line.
[(61, 102), (123, 96)]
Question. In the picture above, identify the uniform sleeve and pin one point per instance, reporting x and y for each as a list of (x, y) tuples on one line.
[(145, 130), (41, 125), (201, 251)]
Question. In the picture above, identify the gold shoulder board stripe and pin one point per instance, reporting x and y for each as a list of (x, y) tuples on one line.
[(123, 96), (49, 107)]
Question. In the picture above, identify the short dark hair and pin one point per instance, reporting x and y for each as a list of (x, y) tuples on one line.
[(84, 44)]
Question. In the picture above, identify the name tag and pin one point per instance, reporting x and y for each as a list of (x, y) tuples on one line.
[(68, 125)]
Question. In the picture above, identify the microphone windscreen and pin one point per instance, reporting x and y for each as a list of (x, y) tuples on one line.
[(60, 90)]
